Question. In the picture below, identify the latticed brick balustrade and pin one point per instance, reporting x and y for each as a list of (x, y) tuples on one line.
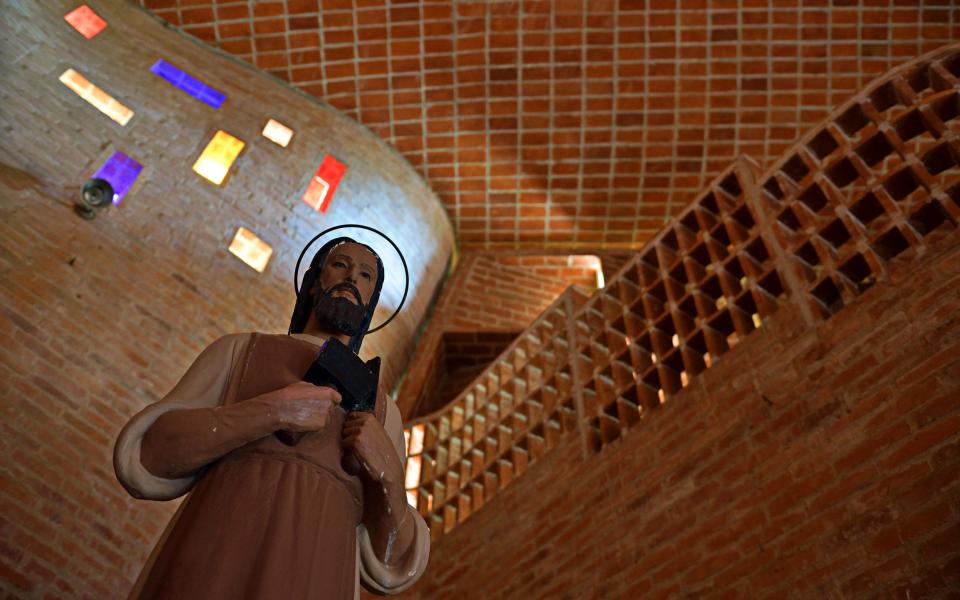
[(877, 179)]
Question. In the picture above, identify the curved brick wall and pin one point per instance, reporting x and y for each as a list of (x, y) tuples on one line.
[(578, 122), (98, 318)]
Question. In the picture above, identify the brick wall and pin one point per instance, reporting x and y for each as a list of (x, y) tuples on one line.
[(581, 123), (99, 318), (487, 293), (509, 292), (460, 357), (808, 462), (613, 262)]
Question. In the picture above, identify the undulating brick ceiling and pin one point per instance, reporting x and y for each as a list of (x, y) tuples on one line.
[(573, 123)]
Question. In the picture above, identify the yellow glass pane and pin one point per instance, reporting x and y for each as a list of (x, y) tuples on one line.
[(215, 160), (250, 249)]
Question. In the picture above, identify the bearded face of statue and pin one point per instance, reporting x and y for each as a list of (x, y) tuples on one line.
[(342, 292), (338, 314)]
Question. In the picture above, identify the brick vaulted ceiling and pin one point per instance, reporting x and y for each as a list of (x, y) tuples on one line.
[(573, 123)]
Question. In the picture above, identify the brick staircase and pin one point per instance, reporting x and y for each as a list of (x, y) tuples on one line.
[(879, 178)]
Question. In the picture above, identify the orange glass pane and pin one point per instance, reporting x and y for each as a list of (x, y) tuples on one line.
[(278, 133), (316, 193), (413, 472), (96, 97), (75, 81), (84, 20), (250, 249), (416, 439)]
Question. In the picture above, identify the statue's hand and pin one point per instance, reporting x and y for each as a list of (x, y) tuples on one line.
[(366, 437), (301, 406)]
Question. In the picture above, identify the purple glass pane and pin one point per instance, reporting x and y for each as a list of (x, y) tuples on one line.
[(185, 82), (120, 171)]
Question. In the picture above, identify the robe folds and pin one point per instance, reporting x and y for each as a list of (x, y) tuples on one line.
[(267, 520)]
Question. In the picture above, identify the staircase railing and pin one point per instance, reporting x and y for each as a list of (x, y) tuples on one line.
[(878, 178)]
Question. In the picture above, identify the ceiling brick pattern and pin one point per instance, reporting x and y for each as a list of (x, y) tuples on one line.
[(573, 123)]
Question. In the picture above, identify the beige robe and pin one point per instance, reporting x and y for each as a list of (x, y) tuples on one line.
[(206, 384)]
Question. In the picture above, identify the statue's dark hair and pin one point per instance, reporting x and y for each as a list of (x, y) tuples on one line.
[(301, 311)]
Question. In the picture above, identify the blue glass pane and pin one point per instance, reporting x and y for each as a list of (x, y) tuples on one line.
[(212, 97)]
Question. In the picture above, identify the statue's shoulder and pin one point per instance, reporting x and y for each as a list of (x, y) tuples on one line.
[(232, 339), (229, 345)]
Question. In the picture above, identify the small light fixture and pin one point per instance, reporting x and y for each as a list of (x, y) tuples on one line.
[(95, 194)]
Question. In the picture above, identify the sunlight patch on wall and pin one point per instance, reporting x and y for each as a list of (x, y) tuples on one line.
[(96, 97)]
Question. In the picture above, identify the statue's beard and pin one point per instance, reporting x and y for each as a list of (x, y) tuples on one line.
[(337, 314)]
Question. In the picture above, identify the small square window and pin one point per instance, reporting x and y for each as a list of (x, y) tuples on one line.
[(84, 20), (184, 82), (121, 172), (278, 133), (250, 249), (324, 183), (96, 97), (216, 159)]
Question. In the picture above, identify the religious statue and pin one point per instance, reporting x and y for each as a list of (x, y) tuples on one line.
[(291, 495)]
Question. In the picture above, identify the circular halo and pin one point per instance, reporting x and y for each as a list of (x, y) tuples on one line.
[(406, 271)]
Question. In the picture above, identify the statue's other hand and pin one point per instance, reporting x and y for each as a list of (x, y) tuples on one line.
[(301, 406), (366, 437)]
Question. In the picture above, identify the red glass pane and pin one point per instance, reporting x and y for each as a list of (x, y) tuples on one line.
[(84, 20)]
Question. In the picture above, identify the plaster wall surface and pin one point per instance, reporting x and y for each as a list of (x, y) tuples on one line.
[(99, 318)]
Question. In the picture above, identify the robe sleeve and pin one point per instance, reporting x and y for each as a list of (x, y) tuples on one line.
[(202, 386), (377, 576)]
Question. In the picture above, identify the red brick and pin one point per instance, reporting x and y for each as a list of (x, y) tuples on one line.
[(923, 440)]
